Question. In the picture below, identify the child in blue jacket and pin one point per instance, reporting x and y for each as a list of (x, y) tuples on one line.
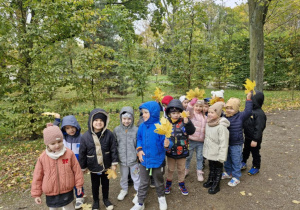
[(151, 154)]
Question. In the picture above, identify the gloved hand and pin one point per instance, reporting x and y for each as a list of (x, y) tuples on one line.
[(193, 101)]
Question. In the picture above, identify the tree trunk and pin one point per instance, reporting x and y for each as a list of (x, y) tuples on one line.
[(257, 14)]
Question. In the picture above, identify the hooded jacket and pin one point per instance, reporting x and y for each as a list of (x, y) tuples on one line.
[(71, 142), (98, 154), (126, 138), (179, 139), (216, 141), (150, 142), (256, 123)]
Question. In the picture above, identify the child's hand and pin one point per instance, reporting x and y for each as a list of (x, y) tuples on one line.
[(193, 101), (114, 167), (38, 200), (249, 95), (79, 191), (253, 143), (140, 155), (166, 143), (185, 120), (56, 115)]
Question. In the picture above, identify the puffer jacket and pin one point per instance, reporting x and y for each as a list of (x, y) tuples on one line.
[(98, 154), (71, 142), (236, 136), (216, 141), (199, 121), (256, 123), (126, 138), (53, 177), (150, 142)]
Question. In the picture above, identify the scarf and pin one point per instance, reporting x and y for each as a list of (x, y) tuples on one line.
[(56, 155), (213, 123)]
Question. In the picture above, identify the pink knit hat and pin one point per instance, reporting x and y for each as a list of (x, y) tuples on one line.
[(217, 107), (52, 134)]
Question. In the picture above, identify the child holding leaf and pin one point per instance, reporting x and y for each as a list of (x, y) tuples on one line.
[(151, 153), (98, 153), (178, 147)]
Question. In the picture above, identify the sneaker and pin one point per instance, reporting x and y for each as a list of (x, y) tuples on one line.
[(162, 203), (122, 195), (95, 205), (186, 172), (184, 191), (138, 206), (135, 199), (78, 203), (233, 182), (253, 171), (152, 185), (226, 176), (168, 187), (108, 204), (244, 166), (200, 175)]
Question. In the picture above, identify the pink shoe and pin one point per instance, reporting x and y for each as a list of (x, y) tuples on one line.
[(200, 175)]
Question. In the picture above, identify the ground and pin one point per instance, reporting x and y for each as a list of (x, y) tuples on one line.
[(277, 186)]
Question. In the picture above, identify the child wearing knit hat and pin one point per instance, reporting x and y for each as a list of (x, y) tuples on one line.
[(52, 172), (165, 101), (215, 146), (236, 138), (183, 99), (97, 153)]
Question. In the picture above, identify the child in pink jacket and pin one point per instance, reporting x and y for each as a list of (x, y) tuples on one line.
[(56, 172), (198, 118)]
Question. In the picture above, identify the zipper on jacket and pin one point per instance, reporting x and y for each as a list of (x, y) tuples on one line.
[(57, 176)]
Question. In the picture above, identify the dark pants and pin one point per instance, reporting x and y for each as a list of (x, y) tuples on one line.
[(254, 151), (95, 179)]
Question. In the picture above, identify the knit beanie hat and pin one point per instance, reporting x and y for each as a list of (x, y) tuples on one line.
[(166, 100), (101, 116), (219, 93), (126, 115), (234, 103), (182, 98), (217, 107), (52, 134), (201, 102)]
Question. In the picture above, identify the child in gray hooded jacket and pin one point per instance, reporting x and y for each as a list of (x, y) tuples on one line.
[(126, 134)]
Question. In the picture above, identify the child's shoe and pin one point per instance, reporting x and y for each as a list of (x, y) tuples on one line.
[(186, 172), (78, 203), (168, 187), (244, 166), (138, 206), (162, 203), (95, 205), (135, 199), (152, 184), (226, 176), (184, 191), (233, 182), (122, 195), (200, 175), (253, 171), (108, 204)]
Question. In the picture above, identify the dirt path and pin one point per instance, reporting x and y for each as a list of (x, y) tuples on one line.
[(275, 187)]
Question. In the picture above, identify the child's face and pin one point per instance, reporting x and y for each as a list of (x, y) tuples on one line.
[(198, 108), (205, 108), (146, 115), (126, 121), (70, 130), (185, 103), (175, 115), (56, 146), (229, 111), (98, 125), (212, 115)]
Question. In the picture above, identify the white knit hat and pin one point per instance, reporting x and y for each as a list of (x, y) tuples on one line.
[(182, 98), (219, 93)]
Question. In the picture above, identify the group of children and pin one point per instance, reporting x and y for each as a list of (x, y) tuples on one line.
[(143, 153)]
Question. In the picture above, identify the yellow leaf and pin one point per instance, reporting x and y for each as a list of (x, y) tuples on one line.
[(164, 128), (158, 94), (49, 113), (215, 99), (250, 86), (111, 174), (185, 114), (195, 94), (86, 206), (243, 193), (296, 202)]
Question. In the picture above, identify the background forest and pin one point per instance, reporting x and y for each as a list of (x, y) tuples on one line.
[(55, 55)]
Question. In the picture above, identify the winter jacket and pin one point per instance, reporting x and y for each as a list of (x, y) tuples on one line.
[(126, 138), (71, 142), (53, 177), (150, 142), (236, 136), (216, 141), (179, 139), (199, 121), (98, 154), (256, 123)]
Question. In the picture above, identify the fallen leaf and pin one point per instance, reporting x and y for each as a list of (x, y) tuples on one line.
[(86, 206), (250, 194), (279, 175), (296, 202), (243, 193), (270, 179)]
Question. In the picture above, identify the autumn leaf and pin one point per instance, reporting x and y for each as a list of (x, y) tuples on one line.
[(111, 174), (86, 206), (296, 202), (243, 193), (215, 99), (158, 94), (164, 128), (195, 94), (49, 113), (185, 114), (250, 86)]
